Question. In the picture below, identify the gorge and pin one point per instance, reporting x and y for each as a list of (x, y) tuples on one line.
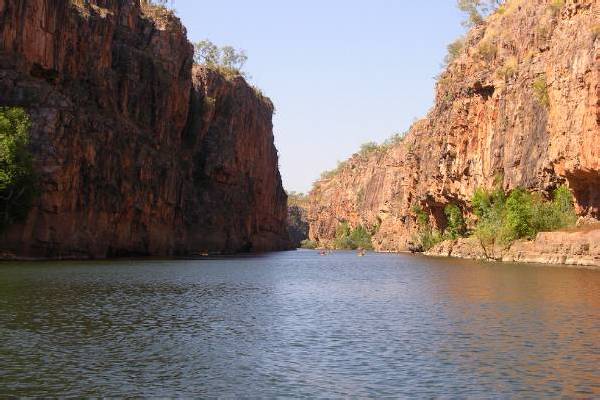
[(518, 105)]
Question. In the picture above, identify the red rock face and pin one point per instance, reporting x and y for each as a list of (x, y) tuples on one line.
[(521, 104), (132, 157)]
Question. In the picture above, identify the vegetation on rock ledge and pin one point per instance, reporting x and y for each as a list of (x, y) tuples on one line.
[(502, 219), (347, 238), (227, 60), (17, 178)]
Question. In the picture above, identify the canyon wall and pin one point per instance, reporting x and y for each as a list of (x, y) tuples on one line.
[(520, 104), (137, 151)]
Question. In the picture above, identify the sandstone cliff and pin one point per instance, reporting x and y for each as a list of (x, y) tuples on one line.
[(137, 152), (521, 102)]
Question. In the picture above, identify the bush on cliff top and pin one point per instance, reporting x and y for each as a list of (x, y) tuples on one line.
[(158, 9), (17, 179), (478, 10), (227, 60)]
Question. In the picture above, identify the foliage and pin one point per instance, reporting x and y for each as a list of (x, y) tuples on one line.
[(330, 174), (540, 89), (456, 222), (365, 150), (487, 50), (477, 10), (394, 140), (426, 237), (519, 216), (508, 70), (352, 239), (454, 50), (297, 199), (17, 178), (226, 59), (309, 244), (421, 216), (156, 7), (368, 148), (502, 219)]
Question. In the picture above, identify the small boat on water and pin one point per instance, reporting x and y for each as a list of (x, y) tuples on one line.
[(362, 253)]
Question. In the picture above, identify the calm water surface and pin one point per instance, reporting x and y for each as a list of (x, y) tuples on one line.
[(297, 324)]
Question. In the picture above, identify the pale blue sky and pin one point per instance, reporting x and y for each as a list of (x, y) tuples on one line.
[(340, 72)]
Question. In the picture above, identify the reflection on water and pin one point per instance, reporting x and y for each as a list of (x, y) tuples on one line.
[(299, 324)]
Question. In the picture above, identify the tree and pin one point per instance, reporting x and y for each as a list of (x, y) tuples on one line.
[(226, 58), (17, 178), (206, 52), (454, 50), (477, 10), (456, 222), (233, 59)]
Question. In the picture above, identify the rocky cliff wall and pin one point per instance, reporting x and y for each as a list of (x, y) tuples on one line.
[(137, 152), (521, 102)]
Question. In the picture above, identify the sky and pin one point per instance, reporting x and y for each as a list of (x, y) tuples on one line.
[(340, 72)]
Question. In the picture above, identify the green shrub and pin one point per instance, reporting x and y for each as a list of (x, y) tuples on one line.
[(394, 140), (427, 237), (456, 222), (153, 8), (557, 214), (478, 10), (330, 174), (508, 70), (361, 238), (520, 213), (352, 239), (368, 148), (421, 216), (309, 244), (540, 89), (487, 50), (473, 10), (454, 50), (502, 220), (17, 178)]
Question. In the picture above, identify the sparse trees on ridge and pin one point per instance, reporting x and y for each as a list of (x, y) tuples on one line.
[(477, 10), (226, 58)]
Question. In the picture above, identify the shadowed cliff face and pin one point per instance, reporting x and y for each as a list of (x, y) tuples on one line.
[(132, 155), (521, 103)]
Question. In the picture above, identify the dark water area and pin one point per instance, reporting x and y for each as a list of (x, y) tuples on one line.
[(297, 324)]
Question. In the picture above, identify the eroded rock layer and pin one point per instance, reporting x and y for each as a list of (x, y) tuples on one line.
[(137, 152), (520, 104)]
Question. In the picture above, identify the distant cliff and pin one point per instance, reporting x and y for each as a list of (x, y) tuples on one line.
[(137, 151), (520, 103)]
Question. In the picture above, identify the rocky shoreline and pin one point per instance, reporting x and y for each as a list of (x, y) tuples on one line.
[(579, 248)]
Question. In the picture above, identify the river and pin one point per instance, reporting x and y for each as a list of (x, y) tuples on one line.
[(299, 324)]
